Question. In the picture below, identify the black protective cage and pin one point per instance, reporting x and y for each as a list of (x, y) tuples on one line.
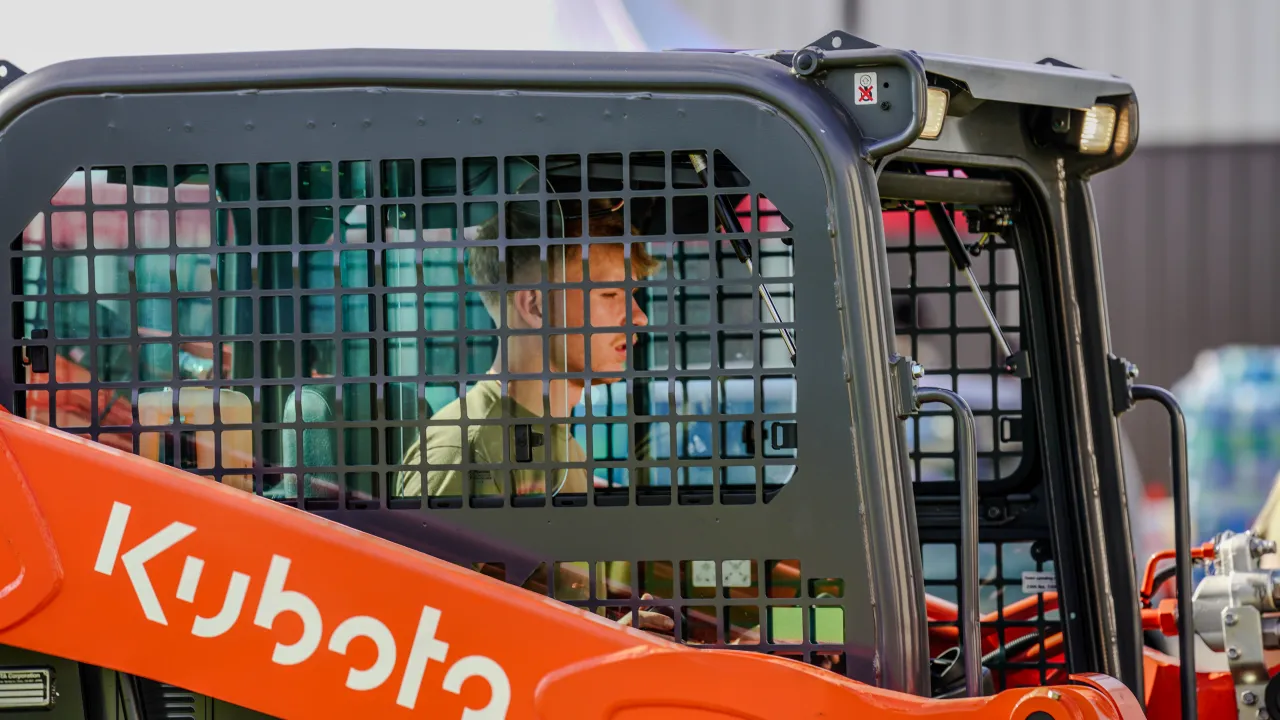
[(725, 150)]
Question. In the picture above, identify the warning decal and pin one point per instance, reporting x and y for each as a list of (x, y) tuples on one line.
[(866, 84)]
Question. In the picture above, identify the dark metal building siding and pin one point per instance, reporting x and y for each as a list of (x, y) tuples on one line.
[(1191, 253)]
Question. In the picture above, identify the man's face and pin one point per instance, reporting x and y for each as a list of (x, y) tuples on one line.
[(608, 314)]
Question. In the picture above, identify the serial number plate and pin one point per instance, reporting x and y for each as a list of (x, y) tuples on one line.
[(26, 688)]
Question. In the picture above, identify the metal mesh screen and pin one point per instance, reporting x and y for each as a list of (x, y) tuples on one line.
[(941, 325), (757, 605), (354, 320), (479, 331), (1025, 645)]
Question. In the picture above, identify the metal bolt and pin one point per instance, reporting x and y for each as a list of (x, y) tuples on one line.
[(1230, 619), (1054, 695), (248, 126), (885, 105), (1248, 698), (993, 512), (1259, 547), (1262, 714), (805, 62), (1233, 653), (917, 370)]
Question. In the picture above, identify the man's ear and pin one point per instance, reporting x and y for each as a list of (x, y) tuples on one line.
[(528, 304)]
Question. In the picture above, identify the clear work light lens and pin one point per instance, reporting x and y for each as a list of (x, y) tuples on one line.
[(1097, 130), (935, 112), (1122, 129)]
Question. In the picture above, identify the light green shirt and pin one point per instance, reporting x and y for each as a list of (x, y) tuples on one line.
[(485, 442), (486, 446)]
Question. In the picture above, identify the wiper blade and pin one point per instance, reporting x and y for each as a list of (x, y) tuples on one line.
[(728, 220)]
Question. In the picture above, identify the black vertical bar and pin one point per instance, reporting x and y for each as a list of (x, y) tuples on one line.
[(967, 475), (1182, 540), (914, 298), (1042, 662), (91, 287), (1001, 626)]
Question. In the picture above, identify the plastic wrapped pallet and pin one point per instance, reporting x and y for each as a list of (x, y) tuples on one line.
[(1231, 399)]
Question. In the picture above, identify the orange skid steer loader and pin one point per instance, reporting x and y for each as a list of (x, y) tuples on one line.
[(691, 384)]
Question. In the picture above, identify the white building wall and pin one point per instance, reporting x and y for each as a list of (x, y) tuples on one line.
[(768, 23), (1204, 72)]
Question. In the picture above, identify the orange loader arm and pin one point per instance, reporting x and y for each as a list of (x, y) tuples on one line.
[(124, 563)]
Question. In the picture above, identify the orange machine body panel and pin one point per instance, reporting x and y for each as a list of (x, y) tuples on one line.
[(1215, 691), (128, 564)]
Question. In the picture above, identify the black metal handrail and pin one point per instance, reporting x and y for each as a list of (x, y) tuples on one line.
[(967, 474), (1182, 540)]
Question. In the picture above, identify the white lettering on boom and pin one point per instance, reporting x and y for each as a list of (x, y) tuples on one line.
[(276, 600)]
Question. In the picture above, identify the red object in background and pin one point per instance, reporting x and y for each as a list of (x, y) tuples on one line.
[(771, 217)]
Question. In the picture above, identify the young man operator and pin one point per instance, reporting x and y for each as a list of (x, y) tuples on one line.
[(567, 353), (555, 397)]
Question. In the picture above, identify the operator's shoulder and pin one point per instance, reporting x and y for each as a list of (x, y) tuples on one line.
[(484, 402), (441, 437), (444, 444)]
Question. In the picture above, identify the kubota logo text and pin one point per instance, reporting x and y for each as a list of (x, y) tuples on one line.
[(276, 600)]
